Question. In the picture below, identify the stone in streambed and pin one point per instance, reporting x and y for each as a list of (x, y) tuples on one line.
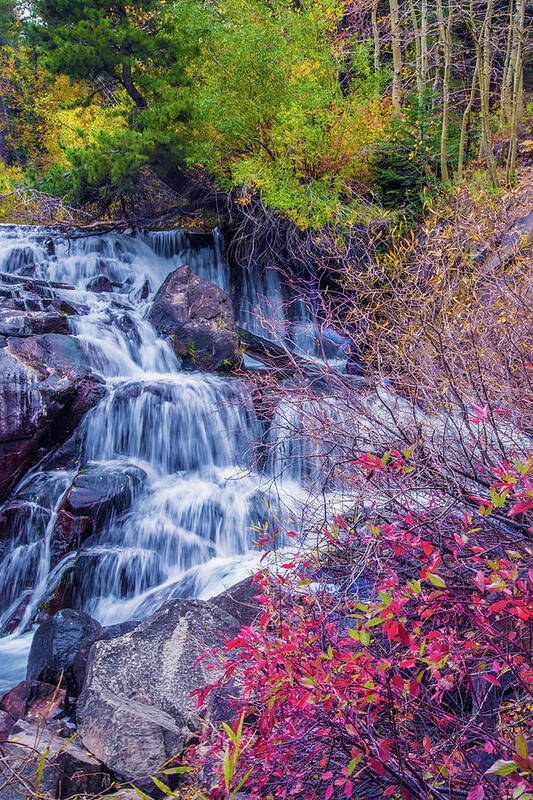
[(44, 393), (55, 646), (99, 284), (136, 708), (198, 318), (34, 700), (97, 491)]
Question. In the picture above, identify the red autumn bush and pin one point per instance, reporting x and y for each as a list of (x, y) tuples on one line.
[(394, 657)]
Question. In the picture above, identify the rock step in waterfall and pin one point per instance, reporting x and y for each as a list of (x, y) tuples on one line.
[(127, 480)]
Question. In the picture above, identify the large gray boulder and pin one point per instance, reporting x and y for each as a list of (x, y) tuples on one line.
[(45, 390), (136, 709), (198, 318)]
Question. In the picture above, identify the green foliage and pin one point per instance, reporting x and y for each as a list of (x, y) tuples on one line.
[(147, 49), (270, 113), (406, 167)]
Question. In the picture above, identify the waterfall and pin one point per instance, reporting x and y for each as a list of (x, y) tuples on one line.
[(178, 444)]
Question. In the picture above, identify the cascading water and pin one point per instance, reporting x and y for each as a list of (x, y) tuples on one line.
[(179, 444)]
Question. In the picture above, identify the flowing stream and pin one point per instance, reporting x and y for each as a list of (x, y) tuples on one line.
[(181, 442)]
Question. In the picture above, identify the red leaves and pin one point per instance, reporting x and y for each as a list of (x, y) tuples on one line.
[(327, 674), (377, 766), (521, 507), (427, 547)]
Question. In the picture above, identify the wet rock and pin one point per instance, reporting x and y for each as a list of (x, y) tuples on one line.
[(79, 668), (55, 645), (42, 401), (69, 533), (240, 601), (34, 700), (100, 284), (14, 322), (51, 353), (135, 709), (68, 769), (16, 516), (198, 318), (97, 491), (145, 290)]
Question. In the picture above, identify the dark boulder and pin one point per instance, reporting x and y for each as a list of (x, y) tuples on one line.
[(198, 318), (69, 533), (44, 393), (34, 700), (55, 646), (100, 284), (51, 353), (136, 708), (15, 322), (98, 491)]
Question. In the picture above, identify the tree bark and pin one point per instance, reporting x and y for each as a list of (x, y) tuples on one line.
[(396, 57)]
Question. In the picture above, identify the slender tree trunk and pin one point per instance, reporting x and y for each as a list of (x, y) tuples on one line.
[(418, 53), (517, 69), (375, 36), (424, 47), (396, 57), (505, 90), (464, 125), (445, 35), (483, 52)]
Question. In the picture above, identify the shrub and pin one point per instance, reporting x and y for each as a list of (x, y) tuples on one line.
[(414, 683)]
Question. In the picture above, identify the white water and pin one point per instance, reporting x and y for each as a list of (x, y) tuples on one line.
[(189, 529)]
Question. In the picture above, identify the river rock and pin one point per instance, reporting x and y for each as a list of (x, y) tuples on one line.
[(55, 646), (14, 322), (135, 710), (97, 491), (198, 318), (43, 397), (99, 284), (81, 662), (69, 533), (68, 769), (34, 700)]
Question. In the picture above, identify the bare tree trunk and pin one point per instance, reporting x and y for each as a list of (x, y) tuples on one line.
[(418, 53), (464, 125), (483, 51), (445, 35), (375, 36), (517, 70), (396, 57), (507, 77)]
